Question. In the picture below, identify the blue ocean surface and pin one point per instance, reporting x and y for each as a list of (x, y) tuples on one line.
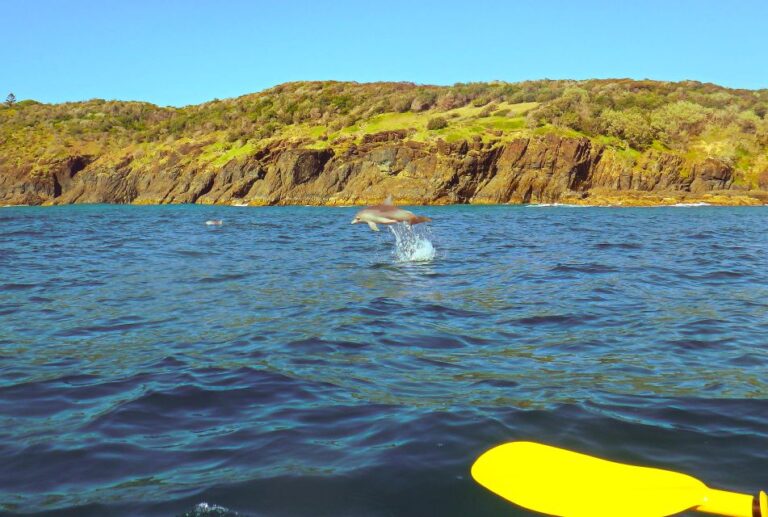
[(289, 363)]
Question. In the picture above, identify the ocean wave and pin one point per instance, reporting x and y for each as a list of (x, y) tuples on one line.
[(286, 366)]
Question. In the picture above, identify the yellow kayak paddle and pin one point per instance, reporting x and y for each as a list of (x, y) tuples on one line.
[(566, 483)]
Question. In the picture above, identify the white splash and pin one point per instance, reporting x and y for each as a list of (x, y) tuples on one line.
[(412, 243), (210, 509), (692, 204)]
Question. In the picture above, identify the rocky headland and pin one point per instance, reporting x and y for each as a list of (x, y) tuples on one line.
[(480, 156)]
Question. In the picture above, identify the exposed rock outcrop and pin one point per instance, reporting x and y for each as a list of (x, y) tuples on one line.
[(542, 169)]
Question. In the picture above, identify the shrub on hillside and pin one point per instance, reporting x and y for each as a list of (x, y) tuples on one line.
[(487, 110), (630, 125), (572, 109), (423, 102), (437, 123), (451, 101), (675, 123)]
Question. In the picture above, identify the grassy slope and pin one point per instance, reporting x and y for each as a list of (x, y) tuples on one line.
[(691, 119)]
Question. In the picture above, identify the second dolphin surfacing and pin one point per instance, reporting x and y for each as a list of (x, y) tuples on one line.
[(387, 213)]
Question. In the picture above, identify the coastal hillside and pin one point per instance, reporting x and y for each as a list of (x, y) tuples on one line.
[(331, 143)]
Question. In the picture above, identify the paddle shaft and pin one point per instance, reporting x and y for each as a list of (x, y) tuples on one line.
[(732, 504)]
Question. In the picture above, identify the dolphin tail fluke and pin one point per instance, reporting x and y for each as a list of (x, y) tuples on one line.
[(416, 219)]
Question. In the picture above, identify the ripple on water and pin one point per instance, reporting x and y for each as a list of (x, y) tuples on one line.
[(584, 268), (287, 369)]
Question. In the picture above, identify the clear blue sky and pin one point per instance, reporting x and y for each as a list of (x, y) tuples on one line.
[(174, 52)]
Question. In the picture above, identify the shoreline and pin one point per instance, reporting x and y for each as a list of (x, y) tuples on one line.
[(603, 203)]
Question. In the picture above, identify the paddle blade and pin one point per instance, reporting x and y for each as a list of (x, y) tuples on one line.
[(565, 483)]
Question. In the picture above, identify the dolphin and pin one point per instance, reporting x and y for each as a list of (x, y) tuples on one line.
[(387, 213)]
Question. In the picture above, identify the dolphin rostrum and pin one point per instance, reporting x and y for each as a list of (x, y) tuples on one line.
[(387, 213)]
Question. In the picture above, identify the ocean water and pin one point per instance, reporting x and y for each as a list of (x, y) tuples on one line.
[(289, 363)]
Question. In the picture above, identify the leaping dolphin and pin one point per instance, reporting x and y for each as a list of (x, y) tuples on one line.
[(387, 213)]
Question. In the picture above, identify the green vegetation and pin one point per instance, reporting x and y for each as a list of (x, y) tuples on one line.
[(692, 119), (437, 123)]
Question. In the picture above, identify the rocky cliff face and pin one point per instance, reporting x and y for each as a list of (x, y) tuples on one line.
[(543, 170)]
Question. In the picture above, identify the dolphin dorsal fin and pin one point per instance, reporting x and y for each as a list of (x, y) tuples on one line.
[(388, 201)]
